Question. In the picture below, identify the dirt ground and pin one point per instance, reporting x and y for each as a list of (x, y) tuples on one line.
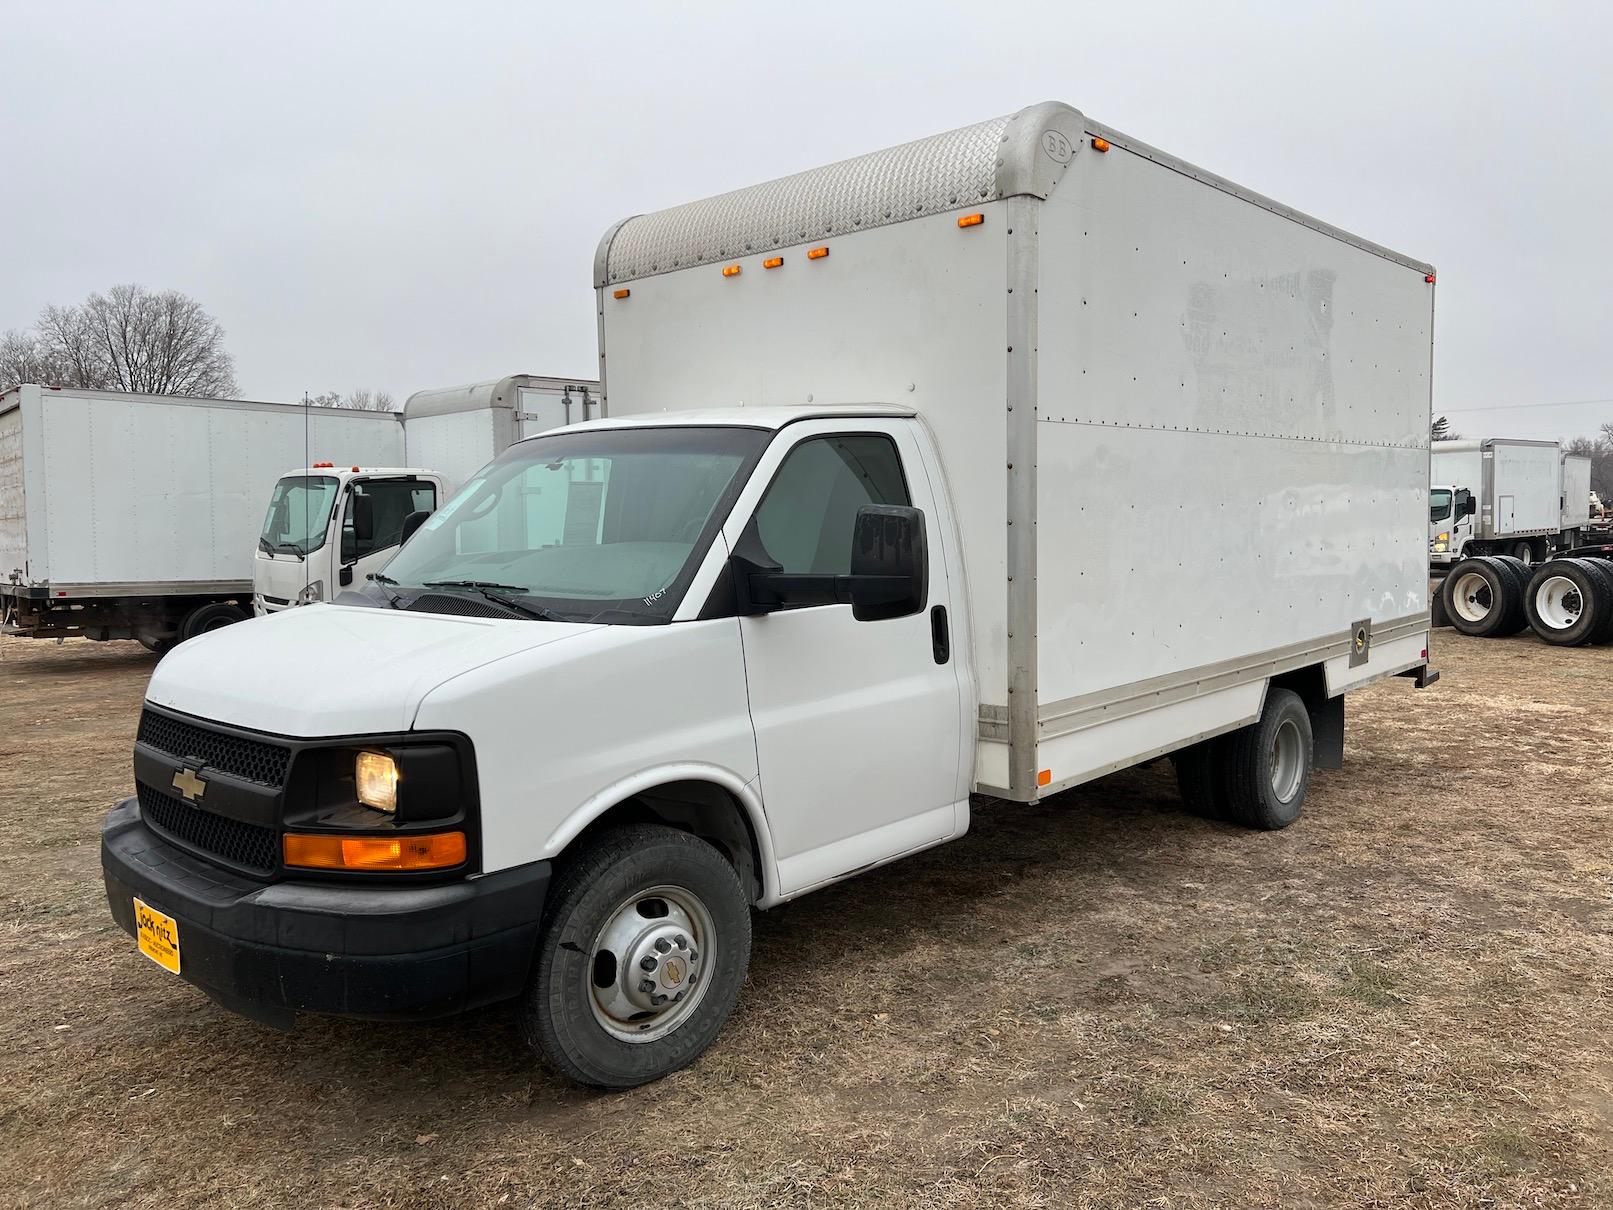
[(1405, 999)]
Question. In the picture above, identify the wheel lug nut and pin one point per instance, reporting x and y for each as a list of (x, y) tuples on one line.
[(646, 985), (662, 944), (680, 941), (658, 1000), (694, 955), (646, 963), (677, 997)]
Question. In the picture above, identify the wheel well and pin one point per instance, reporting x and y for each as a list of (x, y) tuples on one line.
[(700, 808), (1327, 713)]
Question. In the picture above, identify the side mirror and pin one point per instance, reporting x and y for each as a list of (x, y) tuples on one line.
[(1469, 506), (361, 511), (411, 523), (889, 563), (349, 551), (889, 575)]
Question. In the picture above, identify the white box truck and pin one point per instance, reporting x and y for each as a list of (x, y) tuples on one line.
[(329, 526), (991, 463), (135, 516), (1576, 516), (1495, 496)]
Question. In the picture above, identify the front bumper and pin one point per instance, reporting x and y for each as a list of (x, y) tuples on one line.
[(272, 950)]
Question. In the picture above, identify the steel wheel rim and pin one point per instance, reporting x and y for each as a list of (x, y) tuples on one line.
[(1471, 597), (1558, 602), (657, 943), (1287, 761)]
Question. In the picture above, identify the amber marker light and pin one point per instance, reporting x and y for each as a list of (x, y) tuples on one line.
[(818, 253), (386, 854), (1045, 777), (1100, 144), (772, 262), (622, 294), (730, 270), (971, 220)]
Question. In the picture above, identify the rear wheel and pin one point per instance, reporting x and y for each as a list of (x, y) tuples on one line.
[(215, 615), (1524, 552), (1266, 767), (1568, 602), (1483, 598), (646, 943)]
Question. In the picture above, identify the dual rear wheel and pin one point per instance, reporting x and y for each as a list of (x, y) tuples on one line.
[(1256, 776)]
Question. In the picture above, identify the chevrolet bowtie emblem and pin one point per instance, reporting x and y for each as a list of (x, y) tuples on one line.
[(188, 784)]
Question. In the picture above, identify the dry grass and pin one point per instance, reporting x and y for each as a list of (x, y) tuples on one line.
[(1403, 1000)]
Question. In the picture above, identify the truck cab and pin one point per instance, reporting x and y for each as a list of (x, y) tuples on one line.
[(1450, 523), (329, 528)]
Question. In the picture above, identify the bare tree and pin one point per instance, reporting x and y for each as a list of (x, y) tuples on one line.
[(128, 339), (363, 399), (24, 358)]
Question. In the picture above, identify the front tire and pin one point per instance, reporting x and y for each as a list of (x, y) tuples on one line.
[(646, 943), (215, 615)]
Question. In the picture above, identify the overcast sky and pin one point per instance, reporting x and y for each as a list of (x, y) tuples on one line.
[(402, 195)]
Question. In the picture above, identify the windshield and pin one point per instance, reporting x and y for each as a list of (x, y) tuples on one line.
[(1439, 504), (299, 514), (608, 521)]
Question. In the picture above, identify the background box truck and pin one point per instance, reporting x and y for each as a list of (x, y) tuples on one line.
[(1011, 457), (1496, 496), (329, 526), (128, 516)]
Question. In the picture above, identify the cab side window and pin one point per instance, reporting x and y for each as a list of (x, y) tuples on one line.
[(805, 521), (394, 499)]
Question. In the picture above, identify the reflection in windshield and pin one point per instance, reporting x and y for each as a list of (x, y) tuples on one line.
[(609, 519), (1439, 504), (299, 514)]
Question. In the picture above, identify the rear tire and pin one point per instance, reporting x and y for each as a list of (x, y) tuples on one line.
[(1605, 568), (1198, 778), (1484, 599), (213, 616), (1524, 552), (1569, 602), (1266, 767), (591, 1009)]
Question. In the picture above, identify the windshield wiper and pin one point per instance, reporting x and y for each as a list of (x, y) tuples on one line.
[(379, 578), (292, 547), (497, 594)]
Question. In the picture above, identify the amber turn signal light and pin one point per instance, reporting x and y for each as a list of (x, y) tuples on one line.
[(423, 851)]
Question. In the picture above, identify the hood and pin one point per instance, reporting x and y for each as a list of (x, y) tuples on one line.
[(325, 670)]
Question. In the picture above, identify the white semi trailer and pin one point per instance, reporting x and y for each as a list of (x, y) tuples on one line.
[(126, 516), (1504, 496), (990, 463), (329, 526)]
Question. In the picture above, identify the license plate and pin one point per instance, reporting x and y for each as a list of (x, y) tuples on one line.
[(158, 936)]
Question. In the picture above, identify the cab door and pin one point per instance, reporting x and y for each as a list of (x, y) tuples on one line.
[(858, 723)]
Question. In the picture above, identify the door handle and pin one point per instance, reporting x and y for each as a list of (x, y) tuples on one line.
[(940, 639)]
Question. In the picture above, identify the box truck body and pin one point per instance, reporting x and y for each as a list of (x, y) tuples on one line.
[(994, 461), (120, 513), (1185, 426), (1576, 493)]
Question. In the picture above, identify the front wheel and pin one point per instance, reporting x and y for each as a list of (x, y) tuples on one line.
[(646, 943)]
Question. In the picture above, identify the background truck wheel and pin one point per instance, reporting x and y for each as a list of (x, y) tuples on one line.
[(1524, 552), (1570, 602), (1266, 767), (1198, 779), (1483, 598), (212, 616), (646, 942)]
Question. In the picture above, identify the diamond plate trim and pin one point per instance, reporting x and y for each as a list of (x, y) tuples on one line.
[(928, 175)]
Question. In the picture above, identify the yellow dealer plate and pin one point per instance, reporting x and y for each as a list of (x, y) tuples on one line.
[(158, 936)]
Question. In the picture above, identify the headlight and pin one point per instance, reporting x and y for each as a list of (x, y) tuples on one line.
[(314, 592), (1441, 547), (375, 777)]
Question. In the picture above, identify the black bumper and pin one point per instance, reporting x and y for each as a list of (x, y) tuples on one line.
[(271, 950)]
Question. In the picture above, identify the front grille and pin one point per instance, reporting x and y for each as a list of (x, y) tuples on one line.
[(242, 844), (251, 759)]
